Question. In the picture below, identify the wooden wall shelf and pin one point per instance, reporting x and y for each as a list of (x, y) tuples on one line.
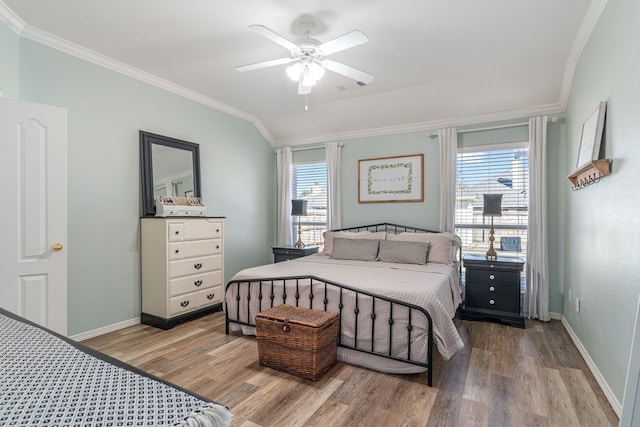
[(589, 173)]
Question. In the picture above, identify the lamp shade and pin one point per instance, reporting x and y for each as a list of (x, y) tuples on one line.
[(298, 207), (492, 205)]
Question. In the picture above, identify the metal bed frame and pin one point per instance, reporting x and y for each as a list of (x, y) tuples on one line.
[(319, 289)]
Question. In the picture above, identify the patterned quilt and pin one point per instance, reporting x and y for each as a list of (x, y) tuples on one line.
[(47, 381)]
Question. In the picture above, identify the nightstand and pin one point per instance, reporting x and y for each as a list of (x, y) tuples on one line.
[(492, 289), (285, 253)]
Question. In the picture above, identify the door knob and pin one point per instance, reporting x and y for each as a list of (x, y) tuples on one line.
[(57, 247)]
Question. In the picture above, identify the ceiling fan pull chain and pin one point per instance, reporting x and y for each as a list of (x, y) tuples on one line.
[(306, 104)]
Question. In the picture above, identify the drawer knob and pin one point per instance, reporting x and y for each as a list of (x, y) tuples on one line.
[(177, 232), (217, 246), (491, 288), (492, 302), (183, 304), (210, 296), (492, 277), (177, 251), (197, 266), (217, 230), (198, 283)]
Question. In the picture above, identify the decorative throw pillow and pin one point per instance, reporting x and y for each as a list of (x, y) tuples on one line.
[(330, 235), (355, 249), (444, 246), (403, 252)]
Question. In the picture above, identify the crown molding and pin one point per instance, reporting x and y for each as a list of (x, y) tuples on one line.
[(582, 37), (429, 126), (10, 18)]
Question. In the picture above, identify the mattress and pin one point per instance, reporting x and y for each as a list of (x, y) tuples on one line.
[(435, 287)]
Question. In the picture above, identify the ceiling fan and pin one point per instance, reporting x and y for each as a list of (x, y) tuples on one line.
[(308, 56)]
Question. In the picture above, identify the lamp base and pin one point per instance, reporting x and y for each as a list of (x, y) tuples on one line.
[(491, 253), (299, 243)]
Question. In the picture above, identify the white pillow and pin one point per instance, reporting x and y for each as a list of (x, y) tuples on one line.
[(444, 246), (329, 236)]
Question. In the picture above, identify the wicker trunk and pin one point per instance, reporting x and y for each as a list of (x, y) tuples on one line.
[(297, 340)]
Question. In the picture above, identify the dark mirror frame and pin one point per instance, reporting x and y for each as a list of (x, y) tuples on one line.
[(147, 140)]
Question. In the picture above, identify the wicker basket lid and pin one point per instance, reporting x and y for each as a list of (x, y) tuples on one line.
[(298, 315)]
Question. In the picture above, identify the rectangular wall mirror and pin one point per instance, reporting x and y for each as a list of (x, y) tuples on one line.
[(169, 167)]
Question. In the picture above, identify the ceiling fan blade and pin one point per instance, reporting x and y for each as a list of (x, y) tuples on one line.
[(345, 70), (264, 64), (345, 41), (302, 89), (273, 36)]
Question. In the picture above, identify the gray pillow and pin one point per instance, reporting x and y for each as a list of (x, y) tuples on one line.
[(354, 249), (404, 252)]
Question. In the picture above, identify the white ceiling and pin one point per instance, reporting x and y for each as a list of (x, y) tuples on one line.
[(435, 62)]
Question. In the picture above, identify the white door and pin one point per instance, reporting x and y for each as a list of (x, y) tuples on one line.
[(33, 212)]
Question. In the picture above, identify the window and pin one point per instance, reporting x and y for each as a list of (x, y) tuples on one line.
[(310, 183), (503, 169)]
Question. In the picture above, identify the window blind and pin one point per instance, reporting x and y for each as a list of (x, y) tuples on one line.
[(495, 171), (309, 182)]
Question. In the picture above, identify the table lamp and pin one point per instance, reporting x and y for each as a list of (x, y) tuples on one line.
[(299, 208), (492, 206)]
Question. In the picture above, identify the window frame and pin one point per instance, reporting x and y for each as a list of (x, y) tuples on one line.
[(315, 228), (518, 228)]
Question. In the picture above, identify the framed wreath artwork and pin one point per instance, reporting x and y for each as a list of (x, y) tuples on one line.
[(391, 179)]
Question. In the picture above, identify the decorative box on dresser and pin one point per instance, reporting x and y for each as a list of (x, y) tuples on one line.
[(492, 289), (182, 268), (285, 253)]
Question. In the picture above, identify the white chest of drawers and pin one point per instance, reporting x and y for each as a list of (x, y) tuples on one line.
[(182, 268)]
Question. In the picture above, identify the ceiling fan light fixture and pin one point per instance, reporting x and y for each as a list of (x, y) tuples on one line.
[(307, 78), (317, 71), (294, 71), (310, 73)]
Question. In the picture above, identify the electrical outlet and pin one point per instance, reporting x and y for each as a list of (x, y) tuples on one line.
[(578, 305), (569, 294)]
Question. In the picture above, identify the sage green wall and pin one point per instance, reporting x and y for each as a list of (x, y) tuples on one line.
[(601, 266), (105, 112), (427, 214), (424, 214), (9, 56)]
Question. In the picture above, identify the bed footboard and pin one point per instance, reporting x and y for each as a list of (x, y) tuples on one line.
[(370, 323)]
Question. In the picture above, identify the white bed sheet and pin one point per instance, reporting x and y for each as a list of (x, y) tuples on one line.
[(435, 287)]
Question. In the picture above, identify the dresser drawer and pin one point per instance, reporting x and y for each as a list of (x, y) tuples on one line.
[(194, 229), (493, 301), (194, 266), (188, 284), (195, 300), (492, 276), (194, 248), (209, 296)]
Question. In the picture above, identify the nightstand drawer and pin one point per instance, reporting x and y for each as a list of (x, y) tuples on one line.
[(493, 288), (494, 301), (492, 276)]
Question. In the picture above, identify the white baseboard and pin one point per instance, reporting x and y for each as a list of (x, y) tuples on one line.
[(611, 397), (106, 329), (555, 316)]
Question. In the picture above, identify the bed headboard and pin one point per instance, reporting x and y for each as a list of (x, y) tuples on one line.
[(389, 228)]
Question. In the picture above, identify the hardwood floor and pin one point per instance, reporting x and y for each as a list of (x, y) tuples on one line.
[(503, 376)]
